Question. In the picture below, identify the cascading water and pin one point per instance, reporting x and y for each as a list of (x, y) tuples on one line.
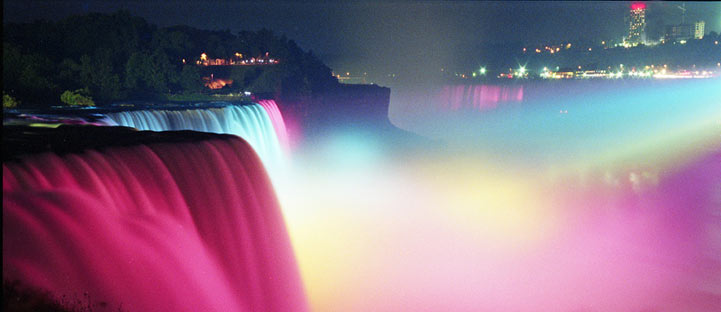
[(478, 97), (271, 108), (156, 222), (259, 124)]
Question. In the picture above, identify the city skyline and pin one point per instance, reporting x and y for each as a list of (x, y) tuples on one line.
[(398, 36)]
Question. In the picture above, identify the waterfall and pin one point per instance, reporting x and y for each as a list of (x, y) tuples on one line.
[(278, 123), (259, 124), (478, 97), (160, 226)]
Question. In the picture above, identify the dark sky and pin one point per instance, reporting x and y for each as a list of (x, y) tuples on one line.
[(389, 36)]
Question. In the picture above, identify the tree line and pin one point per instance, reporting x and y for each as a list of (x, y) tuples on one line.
[(118, 56)]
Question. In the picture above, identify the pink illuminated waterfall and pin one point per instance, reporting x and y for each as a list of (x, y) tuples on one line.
[(478, 97), (271, 108), (189, 226)]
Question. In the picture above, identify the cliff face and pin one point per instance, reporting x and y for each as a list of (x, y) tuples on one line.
[(363, 106), (354, 103)]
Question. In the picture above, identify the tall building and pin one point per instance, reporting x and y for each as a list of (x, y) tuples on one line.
[(698, 30), (637, 24)]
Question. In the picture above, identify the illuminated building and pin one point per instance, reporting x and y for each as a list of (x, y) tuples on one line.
[(637, 24), (698, 30)]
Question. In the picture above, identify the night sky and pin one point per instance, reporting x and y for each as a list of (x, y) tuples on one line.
[(382, 37)]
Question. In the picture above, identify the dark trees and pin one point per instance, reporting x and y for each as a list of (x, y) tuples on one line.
[(118, 56)]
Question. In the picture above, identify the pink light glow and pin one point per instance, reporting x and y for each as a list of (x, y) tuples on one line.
[(278, 123), (459, 235), (638, 6), (159, 227), (479, 97)]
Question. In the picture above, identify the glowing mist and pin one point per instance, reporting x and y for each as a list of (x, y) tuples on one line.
[(573, 199)]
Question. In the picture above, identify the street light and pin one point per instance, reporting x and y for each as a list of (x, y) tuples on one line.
[(483, 70)]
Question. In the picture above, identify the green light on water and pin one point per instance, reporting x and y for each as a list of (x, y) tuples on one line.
[(45, 125)]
